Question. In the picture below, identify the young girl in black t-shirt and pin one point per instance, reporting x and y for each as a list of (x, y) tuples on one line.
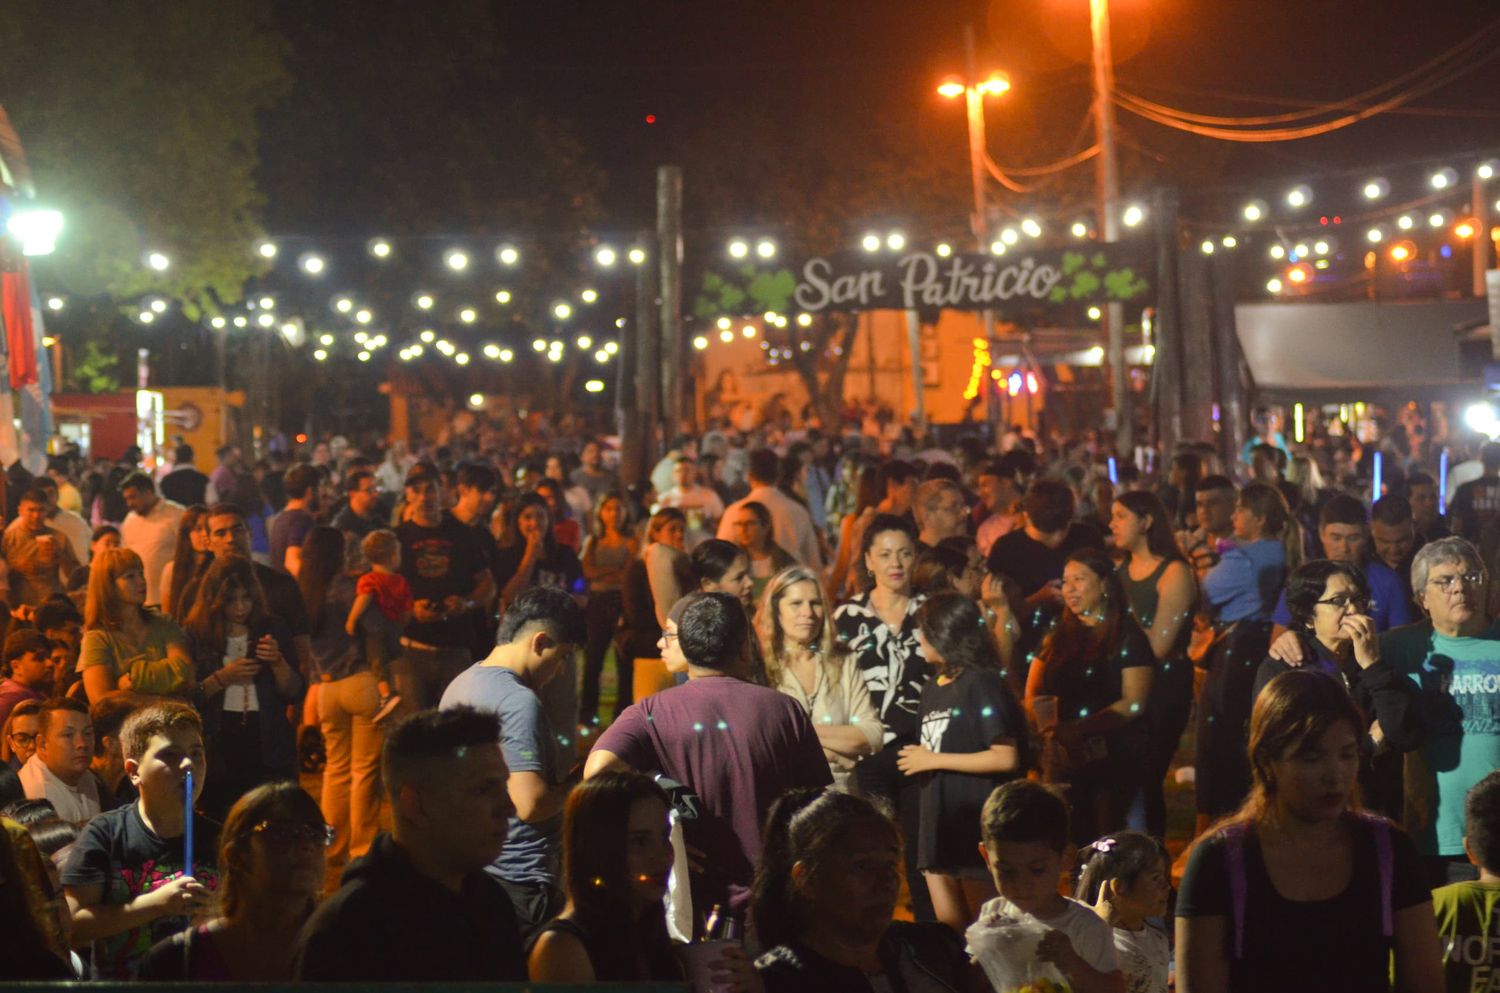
[(972, 738)]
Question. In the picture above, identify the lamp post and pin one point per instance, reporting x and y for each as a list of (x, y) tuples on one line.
[(974, 90)]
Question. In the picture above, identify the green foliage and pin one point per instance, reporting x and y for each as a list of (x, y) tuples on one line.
[(140, 123), (95, 367)]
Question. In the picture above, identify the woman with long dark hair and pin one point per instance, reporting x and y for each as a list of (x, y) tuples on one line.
[(868, 494), (1160, 593), (245, 683), (271, 868), (348, 697), (721, 566), (1299, 890), (617, 856), (824, 902), (879, 627), (1093, 677), (972, 739), (537, 559), (607, 554), (653, 583), (190, 557)]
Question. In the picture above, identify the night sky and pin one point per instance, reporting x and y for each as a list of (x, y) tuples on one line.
[(606, 65)]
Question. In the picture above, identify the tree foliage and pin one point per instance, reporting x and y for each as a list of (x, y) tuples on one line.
[(140, 123), (401, 124)]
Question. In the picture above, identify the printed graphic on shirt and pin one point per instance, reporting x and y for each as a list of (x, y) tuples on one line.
[(115, 956), (433, 559), (1474, 690), (934, 726)]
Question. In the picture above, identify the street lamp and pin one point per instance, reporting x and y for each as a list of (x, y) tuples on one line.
[(974, 90)]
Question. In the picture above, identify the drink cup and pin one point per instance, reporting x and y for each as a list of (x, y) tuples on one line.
[(1044, 709), (700, 960)]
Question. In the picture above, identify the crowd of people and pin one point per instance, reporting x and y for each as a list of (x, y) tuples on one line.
[(883, 716)]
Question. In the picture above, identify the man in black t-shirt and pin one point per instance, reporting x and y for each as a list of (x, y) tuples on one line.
[(419, 906), (125, 878), (451, 584), (1033, 556)]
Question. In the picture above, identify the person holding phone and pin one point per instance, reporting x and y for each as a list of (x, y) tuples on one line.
[(244, 683)]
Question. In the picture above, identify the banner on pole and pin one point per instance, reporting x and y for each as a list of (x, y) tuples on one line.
[(1057, 283)]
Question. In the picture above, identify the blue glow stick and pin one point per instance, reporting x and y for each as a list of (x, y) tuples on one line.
[(1442, 493), (187, 827), (1375, 478), (1114, 472)]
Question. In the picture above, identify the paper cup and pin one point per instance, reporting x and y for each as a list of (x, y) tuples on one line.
[(699, 961), (1044, 709)]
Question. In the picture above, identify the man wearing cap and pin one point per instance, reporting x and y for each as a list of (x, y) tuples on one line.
[(451, 584)]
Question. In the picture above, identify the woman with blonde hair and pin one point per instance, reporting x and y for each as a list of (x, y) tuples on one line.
[(803, 660), (126, 646)]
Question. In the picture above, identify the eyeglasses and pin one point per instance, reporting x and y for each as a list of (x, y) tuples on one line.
[(669, 636), (1343, 600), (1473, 580), (23, 738), (285, 833)]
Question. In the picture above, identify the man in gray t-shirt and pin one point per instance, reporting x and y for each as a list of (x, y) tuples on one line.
[(541, 630)]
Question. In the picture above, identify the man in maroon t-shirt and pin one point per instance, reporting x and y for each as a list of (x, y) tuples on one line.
[(736, 745)]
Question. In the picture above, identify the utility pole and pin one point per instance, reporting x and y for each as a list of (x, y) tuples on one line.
[(669, 258), (648, 371), (974, 101), (1483, 252), (1108, 173)]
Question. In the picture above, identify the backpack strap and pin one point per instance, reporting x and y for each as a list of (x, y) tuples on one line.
[(1385, 858), (1234, 859)]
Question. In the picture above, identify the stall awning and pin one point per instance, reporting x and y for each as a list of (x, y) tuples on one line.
[(1403, 350)]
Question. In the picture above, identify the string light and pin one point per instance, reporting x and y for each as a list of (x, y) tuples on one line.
[(312, 264), (943, 250), (266, 249), (508, 255), (380, 248), (1133, 215)]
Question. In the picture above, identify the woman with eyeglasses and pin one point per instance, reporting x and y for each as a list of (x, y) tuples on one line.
[(271, 863), (1329, 603), (18, 737)]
